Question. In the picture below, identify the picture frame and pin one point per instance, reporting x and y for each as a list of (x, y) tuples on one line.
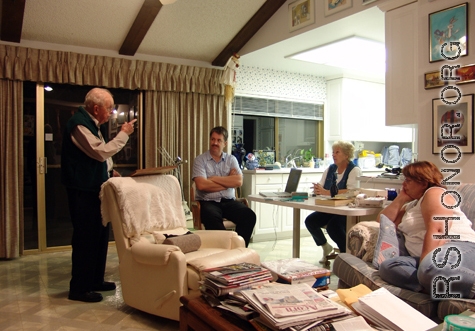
[(445, 26), (335, 6), (432, 80), (446, 115), (301, 13), (466, 74)]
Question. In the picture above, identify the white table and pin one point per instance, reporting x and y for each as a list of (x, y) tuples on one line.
[(352, 214)]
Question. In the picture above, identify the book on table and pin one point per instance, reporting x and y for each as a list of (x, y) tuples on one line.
[(297, 271), (332, 202)]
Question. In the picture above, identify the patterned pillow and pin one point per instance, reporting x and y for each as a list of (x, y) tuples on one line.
[(390, 242)]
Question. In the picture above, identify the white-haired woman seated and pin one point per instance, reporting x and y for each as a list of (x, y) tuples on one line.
[(346, 173)]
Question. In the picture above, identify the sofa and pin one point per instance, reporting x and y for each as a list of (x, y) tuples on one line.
[(159, 261), (355, 267)]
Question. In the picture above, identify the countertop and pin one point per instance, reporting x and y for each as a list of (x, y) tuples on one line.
[(377, 171)]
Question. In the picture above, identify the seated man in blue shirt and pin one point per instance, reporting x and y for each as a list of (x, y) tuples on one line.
[(216, 175)]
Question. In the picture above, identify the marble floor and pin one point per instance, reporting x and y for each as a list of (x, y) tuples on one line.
[(34, 290)]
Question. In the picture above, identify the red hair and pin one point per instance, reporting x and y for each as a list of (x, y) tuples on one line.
[(424, 172)]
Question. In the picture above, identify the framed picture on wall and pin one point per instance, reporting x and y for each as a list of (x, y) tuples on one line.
[(334, 6), (466, 74), (446, 26), (433, 80), (301, 13), (452, 124), (365, 2)]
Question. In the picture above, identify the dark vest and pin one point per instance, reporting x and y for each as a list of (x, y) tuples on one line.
[(79, 171), (331, 174)]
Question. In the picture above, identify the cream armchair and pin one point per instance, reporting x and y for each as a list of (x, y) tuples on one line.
[(153, 275)]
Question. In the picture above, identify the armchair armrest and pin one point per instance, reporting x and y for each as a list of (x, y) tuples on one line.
[(220, 239), (154, 254), (362, 240)]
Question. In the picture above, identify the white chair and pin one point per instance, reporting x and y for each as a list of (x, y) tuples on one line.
[(153, 275)]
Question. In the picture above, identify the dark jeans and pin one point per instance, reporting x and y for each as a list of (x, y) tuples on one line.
[(90, 240), (336, 228), (212, 214)]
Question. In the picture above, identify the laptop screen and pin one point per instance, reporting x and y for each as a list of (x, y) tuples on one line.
[(293, 180)]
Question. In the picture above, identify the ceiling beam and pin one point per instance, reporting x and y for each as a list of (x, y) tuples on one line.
[(245, 34), (139, 29), (12, 20)]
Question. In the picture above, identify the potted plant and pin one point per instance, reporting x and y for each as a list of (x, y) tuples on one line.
[(307, 156)]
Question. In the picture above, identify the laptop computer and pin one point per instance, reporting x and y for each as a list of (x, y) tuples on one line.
[(291, 186)]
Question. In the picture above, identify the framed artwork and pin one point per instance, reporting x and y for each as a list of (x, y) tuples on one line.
[(446, 26), (301, 13), (466, 74), (365, 2), (433, 80), (452, 124), (334, 6)]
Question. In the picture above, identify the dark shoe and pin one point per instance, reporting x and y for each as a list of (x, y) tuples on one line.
[(105, 286), (86, 296)]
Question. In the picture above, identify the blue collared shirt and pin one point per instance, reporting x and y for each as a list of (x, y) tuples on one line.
[(205, 166)]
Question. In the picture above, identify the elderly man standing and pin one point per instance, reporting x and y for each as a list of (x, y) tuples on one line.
[(216, 175), (86, 163)]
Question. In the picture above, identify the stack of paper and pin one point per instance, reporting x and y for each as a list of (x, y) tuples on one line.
[(386, 310), (290, 305)]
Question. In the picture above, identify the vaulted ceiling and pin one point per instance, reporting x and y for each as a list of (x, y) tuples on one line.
[(181, 29), (198, 32)]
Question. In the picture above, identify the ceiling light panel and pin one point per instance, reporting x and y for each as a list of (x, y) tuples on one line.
[(352, 53)]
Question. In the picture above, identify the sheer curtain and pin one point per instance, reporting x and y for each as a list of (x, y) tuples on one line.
[(182, 104), (180, 123)]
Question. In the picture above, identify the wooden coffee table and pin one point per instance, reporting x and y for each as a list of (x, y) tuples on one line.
[(196, 314)]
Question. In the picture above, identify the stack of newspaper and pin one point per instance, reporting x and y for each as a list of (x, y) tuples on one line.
[(221, 281), (287, 306)]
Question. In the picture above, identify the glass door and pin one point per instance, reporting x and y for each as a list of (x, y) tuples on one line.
[(47, 109)]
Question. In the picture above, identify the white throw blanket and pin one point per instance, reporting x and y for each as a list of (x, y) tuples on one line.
[(146, 203)]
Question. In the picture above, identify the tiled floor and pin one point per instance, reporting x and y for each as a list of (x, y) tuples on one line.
[(34, 289)]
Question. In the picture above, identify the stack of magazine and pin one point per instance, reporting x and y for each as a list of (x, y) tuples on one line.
[(221, 281), (286, 306)]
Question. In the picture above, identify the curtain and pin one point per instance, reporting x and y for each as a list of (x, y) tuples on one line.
[(180, 123), (19, 63), (182, 104), (11, 169)]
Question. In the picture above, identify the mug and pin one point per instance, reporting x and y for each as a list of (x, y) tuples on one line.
[(391, 194)]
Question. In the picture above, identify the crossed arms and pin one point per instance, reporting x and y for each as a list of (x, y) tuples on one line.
[(219, 183)]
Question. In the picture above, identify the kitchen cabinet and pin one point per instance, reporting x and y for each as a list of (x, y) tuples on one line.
[(401, 63), (275, 222), (355, 111)]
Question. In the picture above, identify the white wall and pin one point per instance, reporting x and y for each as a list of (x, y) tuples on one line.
[(425, 7)]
